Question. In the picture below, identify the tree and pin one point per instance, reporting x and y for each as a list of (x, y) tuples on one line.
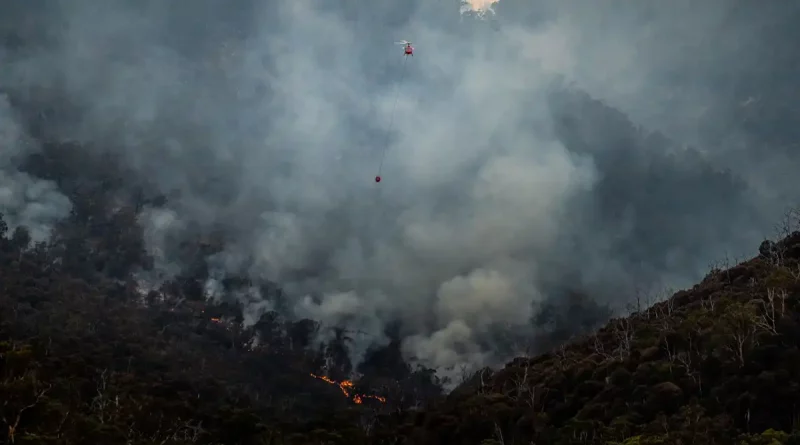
[(738, 327)]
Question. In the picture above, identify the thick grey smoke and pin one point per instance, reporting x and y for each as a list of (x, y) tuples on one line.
[(25, 200), (503, 186)]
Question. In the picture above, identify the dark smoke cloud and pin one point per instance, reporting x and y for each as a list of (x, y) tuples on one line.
[(506, 185)]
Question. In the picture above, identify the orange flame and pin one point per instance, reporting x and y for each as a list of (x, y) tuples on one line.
[(346, 386)]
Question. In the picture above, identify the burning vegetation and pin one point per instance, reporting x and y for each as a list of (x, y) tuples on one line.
[(346, 387)]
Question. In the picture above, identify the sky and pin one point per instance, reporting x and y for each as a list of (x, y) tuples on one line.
[(520, 165)]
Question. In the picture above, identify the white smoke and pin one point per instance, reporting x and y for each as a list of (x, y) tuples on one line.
[(25, 200)]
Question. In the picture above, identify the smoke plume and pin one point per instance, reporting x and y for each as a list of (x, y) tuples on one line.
[(507, 183), (25, 200)]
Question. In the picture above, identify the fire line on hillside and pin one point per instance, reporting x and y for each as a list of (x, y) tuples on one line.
[(347, 386)]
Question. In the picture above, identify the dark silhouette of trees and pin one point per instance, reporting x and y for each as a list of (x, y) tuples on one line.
[(87, 357)]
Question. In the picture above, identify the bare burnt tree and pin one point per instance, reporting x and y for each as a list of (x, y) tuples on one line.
[(13, 419), (795, 272), (102, 403), (523, 386), (599, 348), (688, 360), (773, 309), (788, 224), (740, 328), (708, 303), (563, 358), (623, 334)]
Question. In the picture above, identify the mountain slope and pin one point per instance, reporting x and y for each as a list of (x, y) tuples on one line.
[(89, 362), (714, 364), (85, 359)]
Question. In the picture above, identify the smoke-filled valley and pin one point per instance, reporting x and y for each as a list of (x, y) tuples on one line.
[(547, 163)]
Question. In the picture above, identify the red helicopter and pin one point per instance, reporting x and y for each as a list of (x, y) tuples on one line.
[(408, 50)]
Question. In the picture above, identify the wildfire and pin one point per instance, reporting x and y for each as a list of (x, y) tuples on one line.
[(216, 320), (224, 324), (346, 387)]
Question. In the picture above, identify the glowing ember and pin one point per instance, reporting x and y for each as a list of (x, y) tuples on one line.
[(378, 398), (347, 386)]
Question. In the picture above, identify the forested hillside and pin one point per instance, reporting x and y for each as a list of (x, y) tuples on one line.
[(89, 355), (87, 359), (714, 364)]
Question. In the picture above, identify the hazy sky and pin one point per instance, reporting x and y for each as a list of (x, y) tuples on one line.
[(504, 185)]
